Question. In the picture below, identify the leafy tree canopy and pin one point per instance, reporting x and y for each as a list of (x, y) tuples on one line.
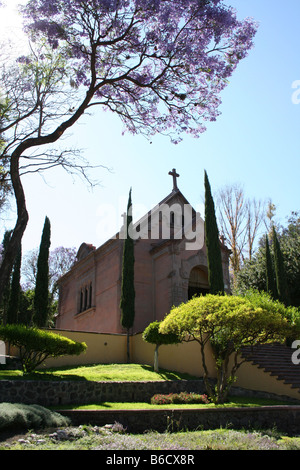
[(253, 273), (35, 345), (154, 336), (228, 323), (158, 64)]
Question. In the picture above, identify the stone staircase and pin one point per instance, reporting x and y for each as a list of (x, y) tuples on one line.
[(277, 360)]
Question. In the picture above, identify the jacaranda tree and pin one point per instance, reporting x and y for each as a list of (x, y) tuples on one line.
[(15, 290), (159, 64)]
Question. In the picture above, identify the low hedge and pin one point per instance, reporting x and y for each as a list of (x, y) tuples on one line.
[(177, 398)]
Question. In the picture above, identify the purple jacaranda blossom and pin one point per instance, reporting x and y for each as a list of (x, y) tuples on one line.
[(161, 65), (24, 60)]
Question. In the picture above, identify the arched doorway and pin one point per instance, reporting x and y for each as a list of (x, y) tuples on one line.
[(198, 282)]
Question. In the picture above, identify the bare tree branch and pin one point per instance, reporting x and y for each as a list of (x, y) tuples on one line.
[(240, 220)]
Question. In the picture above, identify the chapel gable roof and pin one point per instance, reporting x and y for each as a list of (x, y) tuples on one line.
[(84, 250), (174, 196)]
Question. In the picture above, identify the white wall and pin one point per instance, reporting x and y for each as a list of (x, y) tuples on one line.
[(2, 353)]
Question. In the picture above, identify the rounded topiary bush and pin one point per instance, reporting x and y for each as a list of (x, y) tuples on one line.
[(152, 335), (36, 345)]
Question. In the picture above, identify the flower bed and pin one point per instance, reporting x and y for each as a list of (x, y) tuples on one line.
[(183, 397)]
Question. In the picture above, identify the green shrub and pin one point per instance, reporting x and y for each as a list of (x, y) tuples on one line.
[(37, 345), (228, 323), (179, 398), (19, 416)]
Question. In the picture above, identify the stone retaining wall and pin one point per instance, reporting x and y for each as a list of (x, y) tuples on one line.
[(52, 393), (285, 419)]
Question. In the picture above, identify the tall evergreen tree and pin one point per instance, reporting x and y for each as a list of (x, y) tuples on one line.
[(253, 274), (212, 241), (127, 303), (41, 294), (15, 290), (26, 307), (281, 278), (270, 277)]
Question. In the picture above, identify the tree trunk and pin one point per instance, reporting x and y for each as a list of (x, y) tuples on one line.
[(22, 214), (208, 387), (21, 224), (156, 368), (14, 298), (226, 379)]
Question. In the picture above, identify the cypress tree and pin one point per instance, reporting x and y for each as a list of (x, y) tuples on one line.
[(280, 273), (15, 291), (41, 294), (127, 303), (214, 259), (270, 278)]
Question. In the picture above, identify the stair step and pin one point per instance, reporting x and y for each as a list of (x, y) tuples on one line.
[(275, 359), (288, 366)]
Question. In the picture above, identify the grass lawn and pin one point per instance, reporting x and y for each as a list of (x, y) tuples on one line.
[(98, 373), (232, 402)]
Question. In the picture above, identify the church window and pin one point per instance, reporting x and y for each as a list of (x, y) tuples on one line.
[(81, 301), (90, 295), (85, 297), (172, 219)]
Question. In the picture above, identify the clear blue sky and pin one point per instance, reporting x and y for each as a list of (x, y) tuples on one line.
[(254, 142)]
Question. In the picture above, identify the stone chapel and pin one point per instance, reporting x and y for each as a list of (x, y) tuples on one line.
[(168, 271)]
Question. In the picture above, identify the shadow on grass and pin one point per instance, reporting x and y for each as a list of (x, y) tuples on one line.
[(57, 376), (90, 406), (42, 376)]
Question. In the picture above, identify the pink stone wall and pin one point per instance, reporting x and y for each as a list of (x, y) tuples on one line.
[(162, 271)]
